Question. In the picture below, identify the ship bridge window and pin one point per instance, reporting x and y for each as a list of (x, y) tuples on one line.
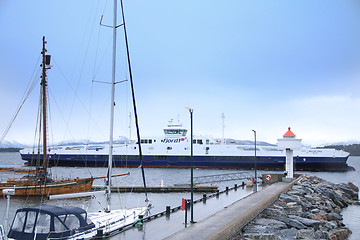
[(207, 141), (171, 131), (176, 131), (198, 141)]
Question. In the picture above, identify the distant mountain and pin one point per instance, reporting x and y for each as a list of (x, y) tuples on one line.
[(12, 144), (353, 149), (342, 143)]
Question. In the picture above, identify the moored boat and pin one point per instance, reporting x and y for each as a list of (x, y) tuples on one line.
[(54, 222), (38, 182), (173, 151)]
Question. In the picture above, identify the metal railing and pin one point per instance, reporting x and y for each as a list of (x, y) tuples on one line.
[(222, 177)]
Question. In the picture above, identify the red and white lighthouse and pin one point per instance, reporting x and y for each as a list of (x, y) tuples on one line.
[(289, 143)]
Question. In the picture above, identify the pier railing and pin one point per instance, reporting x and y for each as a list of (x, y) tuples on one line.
[(222, 178)]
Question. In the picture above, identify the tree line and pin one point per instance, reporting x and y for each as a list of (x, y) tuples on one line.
[(353, 149), (9, 149)]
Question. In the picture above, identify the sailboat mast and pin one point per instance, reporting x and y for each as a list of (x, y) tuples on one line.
[(108, 187), (44, 103), (133, 98)]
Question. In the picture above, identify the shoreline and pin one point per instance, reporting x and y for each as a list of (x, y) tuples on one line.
[(311, 209)]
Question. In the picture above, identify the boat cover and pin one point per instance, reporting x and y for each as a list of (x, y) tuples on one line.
[(45, 222)]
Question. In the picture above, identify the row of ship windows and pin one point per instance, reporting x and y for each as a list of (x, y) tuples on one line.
[(195, 141), (149, 141), (199, 141), (160, 157)]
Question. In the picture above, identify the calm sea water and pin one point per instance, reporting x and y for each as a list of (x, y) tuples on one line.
[(155, 177)]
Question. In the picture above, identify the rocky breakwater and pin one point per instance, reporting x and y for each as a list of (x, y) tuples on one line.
[(311, 209)]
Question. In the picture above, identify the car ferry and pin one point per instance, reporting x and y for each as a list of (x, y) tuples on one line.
[(173, 151)]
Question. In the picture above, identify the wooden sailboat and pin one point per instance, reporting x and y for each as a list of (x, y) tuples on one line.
[(38, 182)]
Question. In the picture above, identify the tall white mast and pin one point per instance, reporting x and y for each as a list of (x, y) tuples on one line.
[(108, 187)]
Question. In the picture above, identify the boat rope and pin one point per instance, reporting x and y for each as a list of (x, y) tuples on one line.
[(40, 129), (80, 101), (34, 157), (61, 114), (31, 84), (77, 84), (133, 99)]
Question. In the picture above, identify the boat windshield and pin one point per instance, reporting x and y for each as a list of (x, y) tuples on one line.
[(19, 221), (30, 222), (43, 223)]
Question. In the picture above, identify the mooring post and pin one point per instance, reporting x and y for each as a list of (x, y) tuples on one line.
[(184, 207)]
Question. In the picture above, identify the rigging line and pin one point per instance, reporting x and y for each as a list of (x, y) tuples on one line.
[(36, 127), (62, 116), (89, 118), (83, 63), (22, 102), (81, 102), (133, 98), (50, 119), (50, 126), (103, 57), (96, 52), (40, 129), (106, 48)]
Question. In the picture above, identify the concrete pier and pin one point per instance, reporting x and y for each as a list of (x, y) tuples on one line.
[(226, 223)]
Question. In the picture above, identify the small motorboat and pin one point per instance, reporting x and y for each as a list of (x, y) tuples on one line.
[(53, 222), (47, 222)]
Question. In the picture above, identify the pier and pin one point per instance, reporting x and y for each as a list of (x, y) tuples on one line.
[(227, 222), (218, 215)]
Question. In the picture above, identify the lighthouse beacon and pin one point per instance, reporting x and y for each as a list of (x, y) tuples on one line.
[(289, 143)]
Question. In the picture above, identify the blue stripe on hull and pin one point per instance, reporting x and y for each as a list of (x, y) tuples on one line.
[(232, 162)]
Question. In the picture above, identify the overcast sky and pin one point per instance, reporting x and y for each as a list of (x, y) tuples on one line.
[(266, 65)]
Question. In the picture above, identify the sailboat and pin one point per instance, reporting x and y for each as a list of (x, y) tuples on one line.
[(54, 222), (38, 182)]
